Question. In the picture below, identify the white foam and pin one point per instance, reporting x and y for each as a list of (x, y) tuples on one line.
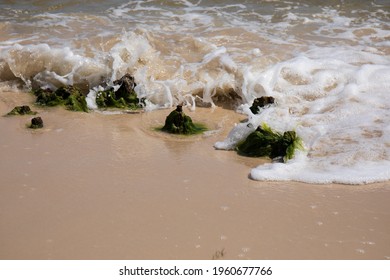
[(338, 105), (303, 170), (91, 98), (131, 51)]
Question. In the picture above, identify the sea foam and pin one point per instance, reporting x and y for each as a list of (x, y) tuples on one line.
[(338, 104)]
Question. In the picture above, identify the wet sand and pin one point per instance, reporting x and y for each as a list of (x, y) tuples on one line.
[(94, 186)]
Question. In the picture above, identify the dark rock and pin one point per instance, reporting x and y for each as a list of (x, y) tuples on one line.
[(21, 110), (127, 86), (36, 123), (179, 123), (261, 102), (264, 142), (179, 108)]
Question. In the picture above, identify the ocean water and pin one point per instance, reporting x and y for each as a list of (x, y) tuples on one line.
[(326, 63)]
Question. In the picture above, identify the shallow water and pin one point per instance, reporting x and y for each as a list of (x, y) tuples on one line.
[(326, 63)]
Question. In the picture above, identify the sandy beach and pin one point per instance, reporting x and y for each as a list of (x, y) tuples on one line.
[(99, 186)]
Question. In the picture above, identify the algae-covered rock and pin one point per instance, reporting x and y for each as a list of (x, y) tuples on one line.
[(179, 123), (260, 103), (70, 96), (126, 87), (36, 123), (21, 110), (47, 97), (124, 97), (264, 142)]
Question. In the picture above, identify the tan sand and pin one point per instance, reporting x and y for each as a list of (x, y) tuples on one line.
[(93, 186)]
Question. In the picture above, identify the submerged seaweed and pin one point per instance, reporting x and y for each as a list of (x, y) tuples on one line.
[(264, 142), (179, 123)]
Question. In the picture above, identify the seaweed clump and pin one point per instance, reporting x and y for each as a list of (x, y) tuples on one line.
[(21, 110), (264, 142), (179, 123), (260, 103), (124, 97), (69, 96)]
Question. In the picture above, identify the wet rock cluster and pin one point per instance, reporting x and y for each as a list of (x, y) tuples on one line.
[(26, 110), (263, 142), (124, 97), (69, 96), (121, 95)]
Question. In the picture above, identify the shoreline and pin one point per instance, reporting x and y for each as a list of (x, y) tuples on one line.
[(95, 186)]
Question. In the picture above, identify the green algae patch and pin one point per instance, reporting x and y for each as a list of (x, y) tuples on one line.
[(76, 102), (21, 110), (264, 142), (179, 123), (124, 97), (69, 96)]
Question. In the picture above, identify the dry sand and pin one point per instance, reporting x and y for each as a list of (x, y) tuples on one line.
[(93, 186)]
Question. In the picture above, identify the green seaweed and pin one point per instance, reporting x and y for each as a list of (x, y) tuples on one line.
[(264, 142), (76, 102), (295, 143), (21, 110), (179, 123), (69, 96)]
